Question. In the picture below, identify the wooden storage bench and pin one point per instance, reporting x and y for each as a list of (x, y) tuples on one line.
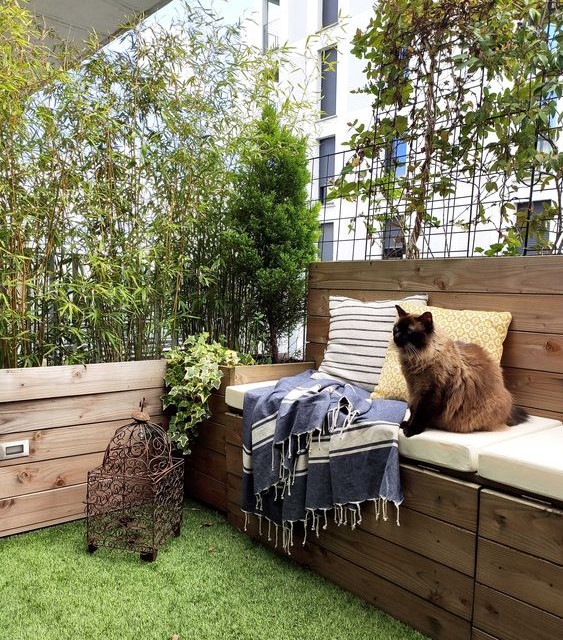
[(472, 558)]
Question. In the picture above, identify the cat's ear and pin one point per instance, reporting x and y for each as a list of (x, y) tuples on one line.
[(402, 313), (427, 321)]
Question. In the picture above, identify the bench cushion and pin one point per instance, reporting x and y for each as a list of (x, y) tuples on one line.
[(460, 451), (234, 395), (533, 463)]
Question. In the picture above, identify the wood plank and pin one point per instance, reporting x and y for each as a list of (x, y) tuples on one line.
[(431, 538), (428, 579), (530, 274), (234, 489), (234, 459), (205, 489), (217, 407), (32, 477), (436, 495), (233, 429), (401, 604), (318, 299), (520, 575), (315, 352), (49, 444), (243, 374), (535, 390), (530, 312), (535, 351), (71, 380), (506, 618), (30, 415), (522, 525), (476, 634), (36, 509), (522, 350), (40, 525), (210, 463), (211, 435)]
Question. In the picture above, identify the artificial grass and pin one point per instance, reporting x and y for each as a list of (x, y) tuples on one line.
[(212, 582)]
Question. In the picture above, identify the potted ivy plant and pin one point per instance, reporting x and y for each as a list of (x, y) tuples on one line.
[(192, 373)]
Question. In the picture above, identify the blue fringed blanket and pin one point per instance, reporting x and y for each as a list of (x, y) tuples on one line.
[(311, 445)]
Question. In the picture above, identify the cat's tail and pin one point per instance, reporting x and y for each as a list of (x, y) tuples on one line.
[(517, 415)]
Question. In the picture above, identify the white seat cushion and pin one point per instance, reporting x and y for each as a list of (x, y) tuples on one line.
[(532, 463), (234, 395), (460, 451)]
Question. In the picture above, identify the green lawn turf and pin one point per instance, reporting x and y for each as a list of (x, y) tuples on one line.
[(213, 582)]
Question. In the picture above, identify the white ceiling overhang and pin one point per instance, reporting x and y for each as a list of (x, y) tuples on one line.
[(74, 20)]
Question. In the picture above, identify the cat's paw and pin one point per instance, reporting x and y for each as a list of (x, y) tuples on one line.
[(405, 427), (410, 429)]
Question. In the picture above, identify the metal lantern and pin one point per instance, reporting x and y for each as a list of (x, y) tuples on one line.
[(134, 499)]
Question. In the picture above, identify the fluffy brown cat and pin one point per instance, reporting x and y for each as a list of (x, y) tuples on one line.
[(453, 386)]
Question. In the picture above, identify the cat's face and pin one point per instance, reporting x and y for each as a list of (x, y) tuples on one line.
[(412, 332)]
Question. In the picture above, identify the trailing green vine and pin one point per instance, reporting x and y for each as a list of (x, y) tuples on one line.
[(192, 373), (471, 87)]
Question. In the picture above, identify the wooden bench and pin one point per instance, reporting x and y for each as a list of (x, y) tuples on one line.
[(472, 559)]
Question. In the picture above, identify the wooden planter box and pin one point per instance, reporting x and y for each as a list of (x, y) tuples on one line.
[(68, 414)]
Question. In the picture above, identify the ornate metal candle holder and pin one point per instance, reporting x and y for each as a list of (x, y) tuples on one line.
[(134, 499)]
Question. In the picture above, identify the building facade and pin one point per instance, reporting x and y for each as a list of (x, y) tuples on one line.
[(463, 223)]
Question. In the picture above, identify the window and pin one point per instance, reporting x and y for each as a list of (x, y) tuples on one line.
[(326, 242), (326, 165), (396, 158), (270, 34), (533, 224), (393, 239), (330, 12), (328, 82)]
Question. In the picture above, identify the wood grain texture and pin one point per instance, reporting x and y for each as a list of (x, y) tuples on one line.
[(233, 428), (531, 312), (477, 634), (31, 415), (522, 525), (427, 536), (71, 380), (32, 477), (444, 498), (205, 488), (36, 509), (506, 618), (210, 463), (532, 274), (210, 435), (243, 374), (426, 578), (520, 575), (50, 444), (233, 455)]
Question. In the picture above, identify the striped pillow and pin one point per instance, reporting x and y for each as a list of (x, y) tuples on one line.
[(359, 334)]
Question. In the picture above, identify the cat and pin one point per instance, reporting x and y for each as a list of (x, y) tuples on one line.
[(453, 386)]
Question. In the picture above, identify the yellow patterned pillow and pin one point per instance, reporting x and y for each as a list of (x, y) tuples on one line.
[(485, 328)]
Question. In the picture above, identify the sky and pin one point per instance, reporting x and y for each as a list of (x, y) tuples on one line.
[(231, 10)]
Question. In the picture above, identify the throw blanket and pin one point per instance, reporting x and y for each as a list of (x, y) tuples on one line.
[(311, 445)]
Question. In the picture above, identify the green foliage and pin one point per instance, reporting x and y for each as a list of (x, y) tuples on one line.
[(471, 86), (114, 183), (192, 374), (275, 229)]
